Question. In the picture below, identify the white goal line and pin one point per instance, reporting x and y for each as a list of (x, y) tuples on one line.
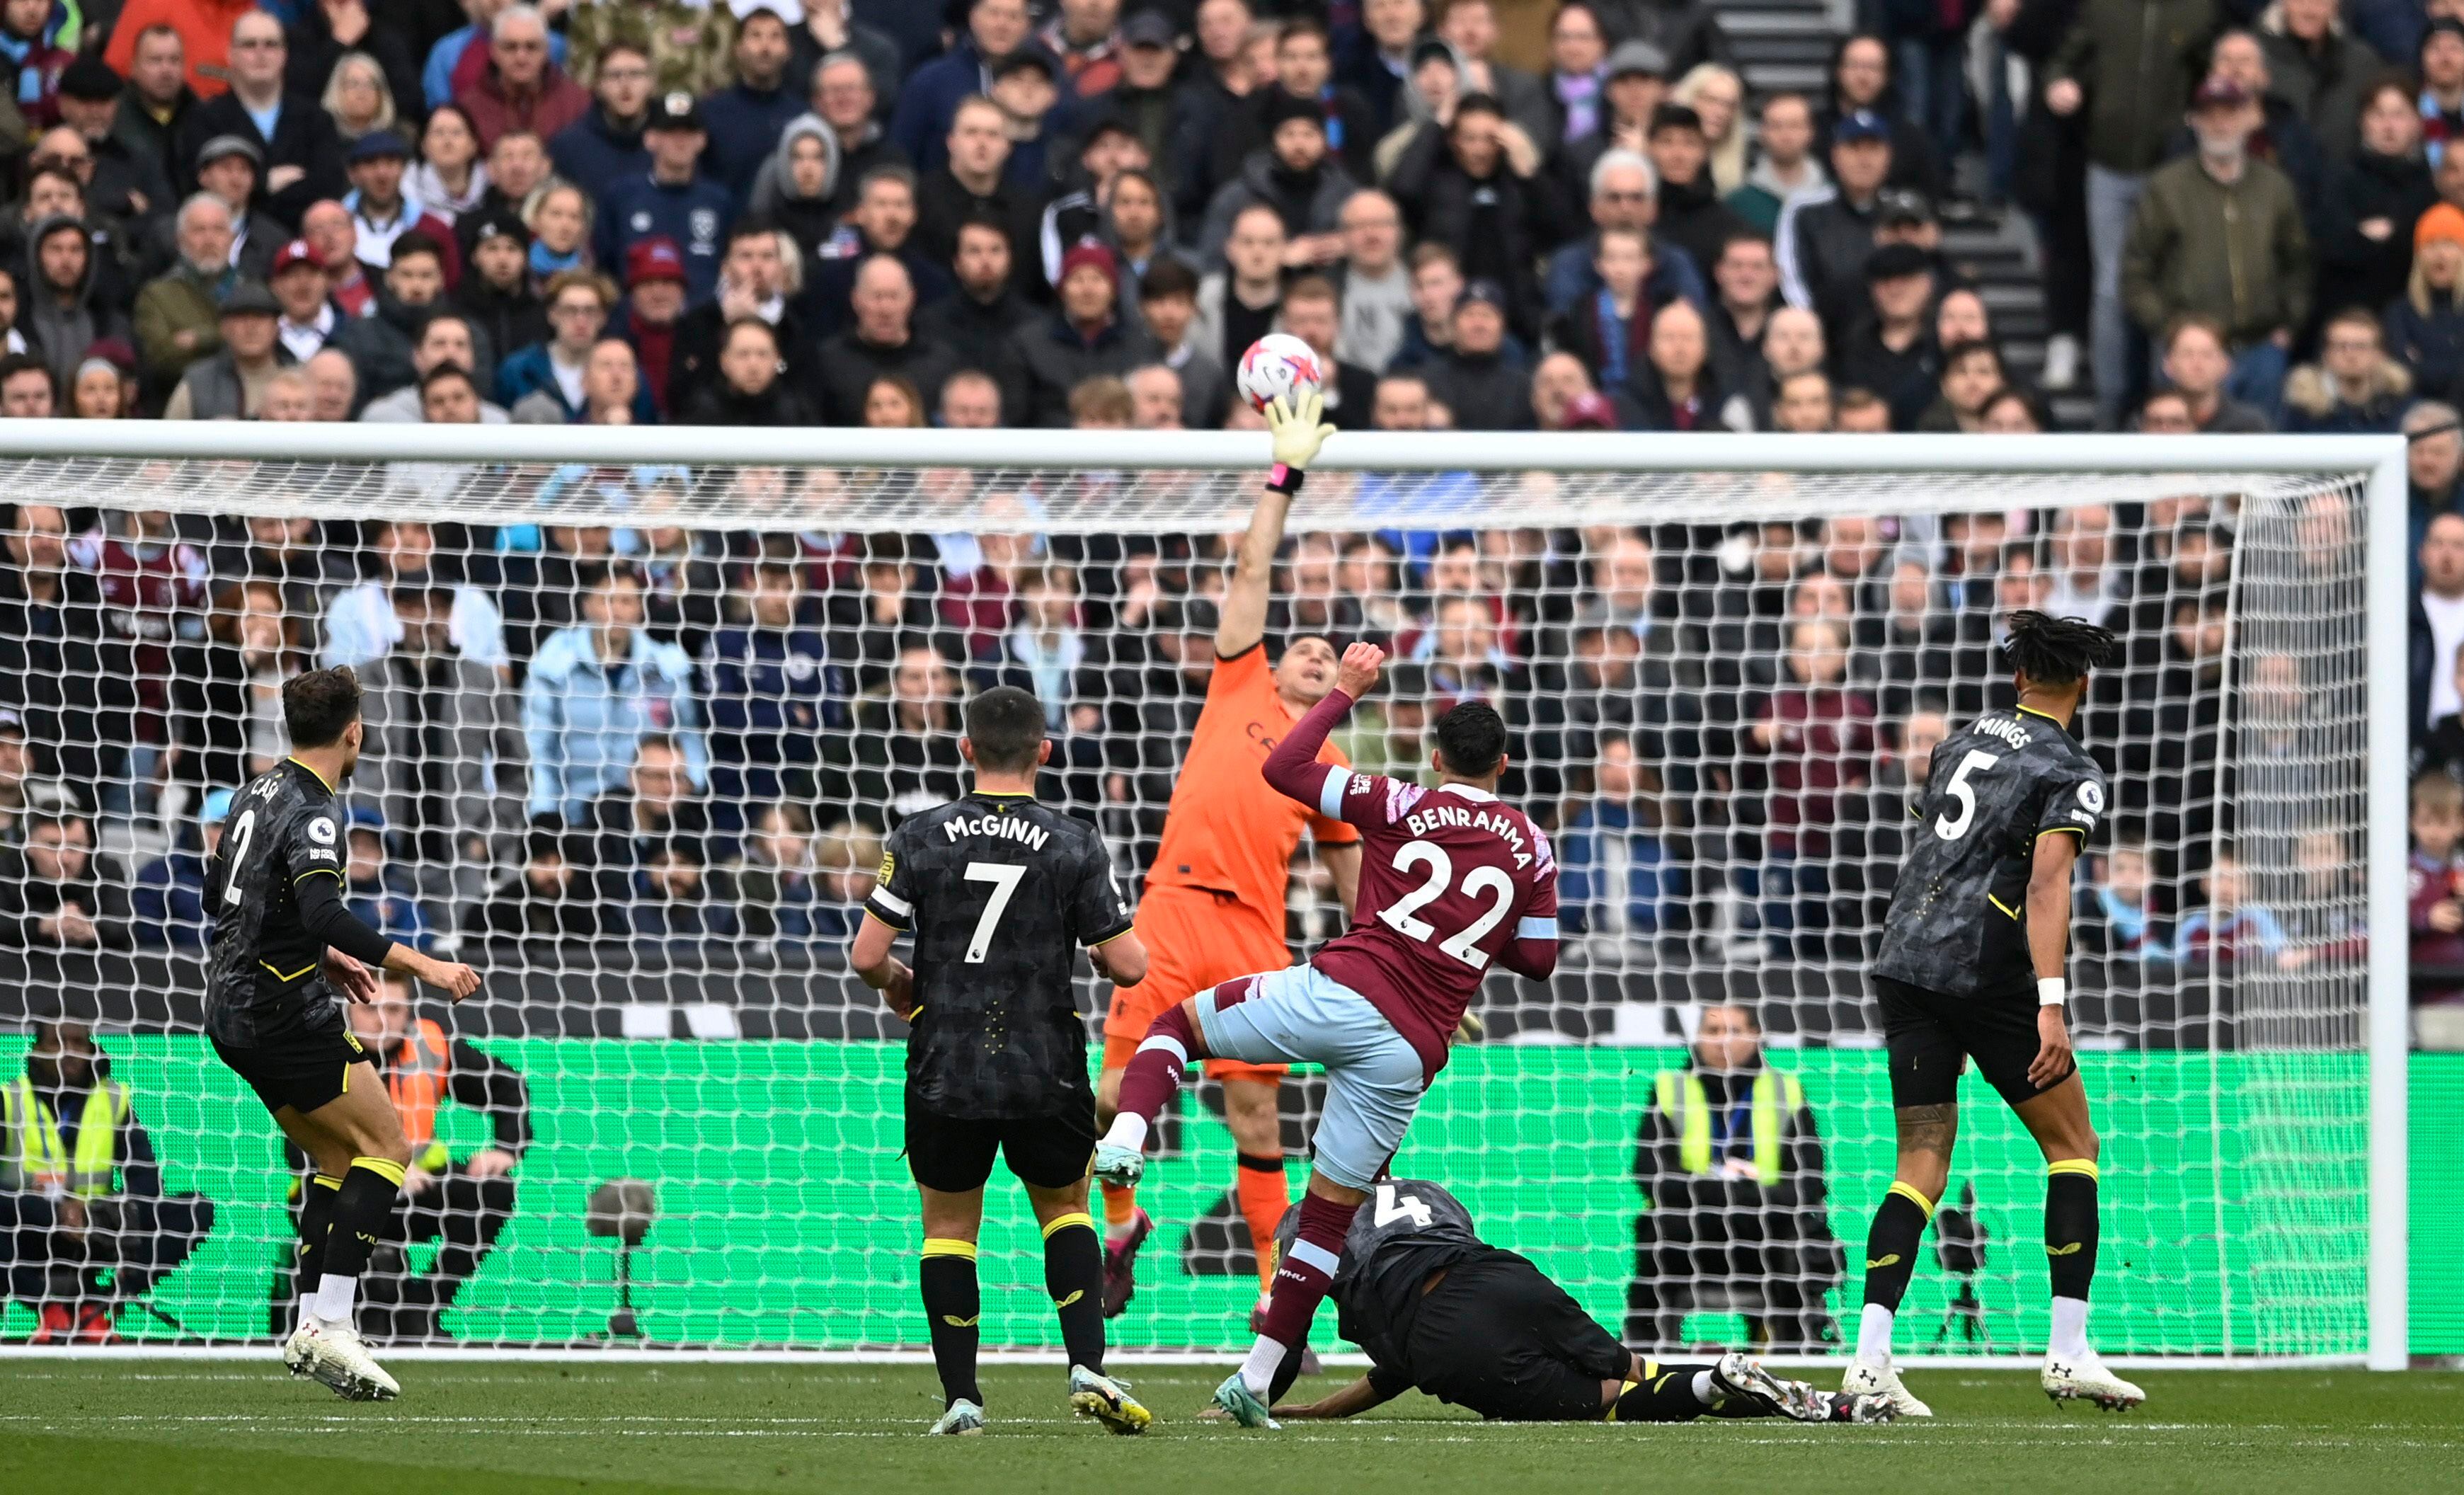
[(586, 1354)]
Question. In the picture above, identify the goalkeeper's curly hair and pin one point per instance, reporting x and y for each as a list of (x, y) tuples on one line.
[(2050, 650)]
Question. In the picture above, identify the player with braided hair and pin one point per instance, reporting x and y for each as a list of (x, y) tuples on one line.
[(1971, 967)]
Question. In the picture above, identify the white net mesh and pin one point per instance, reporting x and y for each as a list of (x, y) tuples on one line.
[(634, 734)]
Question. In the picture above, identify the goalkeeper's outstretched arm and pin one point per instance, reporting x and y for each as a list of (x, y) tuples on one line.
[(1298, 434)]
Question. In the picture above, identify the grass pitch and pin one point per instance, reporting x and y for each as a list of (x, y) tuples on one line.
[(141, 1427)]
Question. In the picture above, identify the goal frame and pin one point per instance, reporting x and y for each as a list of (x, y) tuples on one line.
[(2380, 458)]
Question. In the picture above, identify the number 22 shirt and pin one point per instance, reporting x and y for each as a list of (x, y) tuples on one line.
[(1449, 877)]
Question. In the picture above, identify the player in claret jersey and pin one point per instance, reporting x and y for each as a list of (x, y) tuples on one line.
[(1450, 879)]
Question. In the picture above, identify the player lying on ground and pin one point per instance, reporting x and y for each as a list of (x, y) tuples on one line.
[(999, 892), (1971, 967), (283, 946), (1450, 879), (1213, 904), (1442, 1311)]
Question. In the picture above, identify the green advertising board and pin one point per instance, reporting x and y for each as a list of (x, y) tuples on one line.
[(2234, 1211)]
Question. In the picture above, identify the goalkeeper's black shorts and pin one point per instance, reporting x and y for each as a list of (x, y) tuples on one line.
[(1931, 1035), (1498, 1337)]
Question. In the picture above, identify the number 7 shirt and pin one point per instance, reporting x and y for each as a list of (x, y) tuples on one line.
[(999, 892), (1451, 879)]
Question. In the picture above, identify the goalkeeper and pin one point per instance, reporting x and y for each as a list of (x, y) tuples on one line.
[(1439, 1309), (1214, 904)]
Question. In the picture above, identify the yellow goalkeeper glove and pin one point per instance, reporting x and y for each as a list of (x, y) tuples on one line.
[(1298, 430)]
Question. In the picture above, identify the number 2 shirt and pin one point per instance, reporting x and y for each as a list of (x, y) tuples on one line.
[(1450, 878), (1958, 920), (999, 892)]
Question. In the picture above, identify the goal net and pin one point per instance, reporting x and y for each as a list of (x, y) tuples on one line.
[(637, 725)]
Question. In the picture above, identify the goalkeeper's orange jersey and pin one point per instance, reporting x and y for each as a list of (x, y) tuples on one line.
[(1227, 831)]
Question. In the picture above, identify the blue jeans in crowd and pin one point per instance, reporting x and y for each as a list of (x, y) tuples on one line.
[(2112, 196), (1933, 86), (1795, 900), (2257, 378)]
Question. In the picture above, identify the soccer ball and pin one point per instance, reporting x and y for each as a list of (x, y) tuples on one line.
[(1278, 365)]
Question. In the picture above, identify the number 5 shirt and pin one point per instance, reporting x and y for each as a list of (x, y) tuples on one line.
[(1958, 920)]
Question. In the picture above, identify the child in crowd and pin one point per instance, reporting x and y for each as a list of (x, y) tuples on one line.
[(2435, 885), (2119, 902), (2329, 927), (2230, 934)]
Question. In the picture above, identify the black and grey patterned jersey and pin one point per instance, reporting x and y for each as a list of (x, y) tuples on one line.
[(999, 892), (1958, 919), (262, 980), (1409, 1228)]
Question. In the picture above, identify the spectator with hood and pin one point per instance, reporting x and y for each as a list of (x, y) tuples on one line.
[(798, 188), (59, 308), (1294, 174)]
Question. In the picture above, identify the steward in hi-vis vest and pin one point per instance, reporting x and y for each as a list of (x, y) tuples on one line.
[(80, 1192), (1730, 1165)]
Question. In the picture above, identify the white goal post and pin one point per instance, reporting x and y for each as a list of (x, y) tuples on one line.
[(2292, 1035)]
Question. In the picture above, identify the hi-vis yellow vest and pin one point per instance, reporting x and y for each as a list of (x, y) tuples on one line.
[(1678, 1096), (31, 1156)]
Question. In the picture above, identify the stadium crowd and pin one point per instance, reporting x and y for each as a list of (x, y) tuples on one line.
[(864, 212)]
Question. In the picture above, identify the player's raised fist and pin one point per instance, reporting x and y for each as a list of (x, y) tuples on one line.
[(452, 978), (1357, 674)]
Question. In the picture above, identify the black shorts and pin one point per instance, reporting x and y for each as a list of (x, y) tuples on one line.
[(955, 1153), (1498, 1337), (301, 1070), (1931, 1034)]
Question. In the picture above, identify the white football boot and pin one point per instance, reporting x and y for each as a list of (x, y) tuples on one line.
[(963, 1420), (334, 1356), (1117, 1165), (2084, 1379), (1883, 1381)]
